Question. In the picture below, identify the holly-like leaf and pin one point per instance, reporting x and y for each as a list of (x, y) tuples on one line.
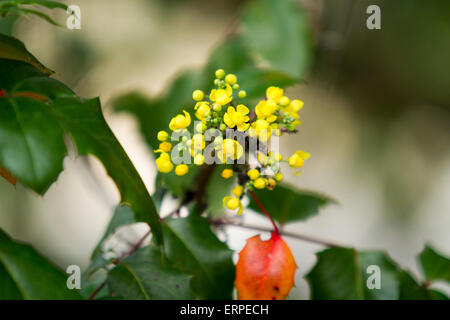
[(35, 111), (44, 3), (287, 204), (265, 269), (195, 249), (148, 275), (25, 274), (277, 30), (434, 265)]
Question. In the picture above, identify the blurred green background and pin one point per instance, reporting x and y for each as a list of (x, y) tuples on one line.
[(376, 119)]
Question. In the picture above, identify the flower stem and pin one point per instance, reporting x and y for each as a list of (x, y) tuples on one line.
[(260, 205)]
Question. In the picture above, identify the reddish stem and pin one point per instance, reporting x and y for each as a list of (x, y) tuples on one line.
[(260, 205)]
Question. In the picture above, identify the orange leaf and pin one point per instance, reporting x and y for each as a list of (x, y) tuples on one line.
[(8, 176), (265, 270)]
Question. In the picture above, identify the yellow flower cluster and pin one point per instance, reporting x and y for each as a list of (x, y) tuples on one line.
[(222, 110)]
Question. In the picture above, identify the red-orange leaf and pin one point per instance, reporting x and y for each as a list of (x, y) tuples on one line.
[(8, 176), (265, 270)]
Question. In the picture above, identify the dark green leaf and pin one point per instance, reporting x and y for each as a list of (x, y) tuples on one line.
[(25, 274), (343, 273), (285, 203), (34, 112), (148, 275), (434, 265), (336, 275), (277, 30), (195, 249), (178, 185)]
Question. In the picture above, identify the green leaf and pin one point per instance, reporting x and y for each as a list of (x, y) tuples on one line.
[(148, 275), (286, 204), (13, 49), (45, 3), (25, 274), (31, 139), (344, 273), (195, 249), (434, 265), (36, 111), (277, 30), (336, 275)]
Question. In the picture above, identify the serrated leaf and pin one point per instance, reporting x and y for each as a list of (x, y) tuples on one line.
[(277, 30), (434, 265), (25, 274), (265, 269), (287, 204), (35, 113), (13, 49), (148, 275), (195, 249)]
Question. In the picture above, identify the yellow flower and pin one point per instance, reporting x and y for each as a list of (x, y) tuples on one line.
[(293, 108), (197, 143), (180, 121), (297, 159), (230, 79), (274, 93), (261, 128), (253, 174), (284, 101), (238, 190), (203, 110), (260, 183), (271, 183), (233, 203), (198, 95), (237, 117), (222, 96), (162, 135), (220, 73), (231, 149), (199, 159), (163, 163), (279, 177), (265, 110), (165, 146), (227, 173), (181, 169)]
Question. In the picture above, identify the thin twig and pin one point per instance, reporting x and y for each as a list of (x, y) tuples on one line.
[(260, 205), (282, 233)]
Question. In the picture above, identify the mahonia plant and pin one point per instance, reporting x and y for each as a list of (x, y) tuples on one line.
[(237, 136)]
